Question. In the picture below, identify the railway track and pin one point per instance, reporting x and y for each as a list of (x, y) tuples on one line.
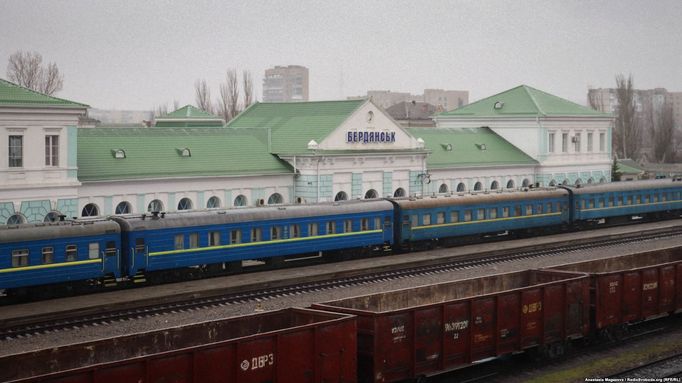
[(41, 325), (669, 367)]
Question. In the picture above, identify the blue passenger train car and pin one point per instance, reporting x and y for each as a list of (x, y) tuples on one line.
[(51, 253), (178, 240), (625, 199), (426, 219)]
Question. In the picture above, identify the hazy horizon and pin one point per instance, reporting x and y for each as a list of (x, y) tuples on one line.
[(129, 55)]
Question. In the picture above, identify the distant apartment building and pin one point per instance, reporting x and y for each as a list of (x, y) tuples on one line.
[(443, 100), (646, 101), (285, 84), (109, 116)]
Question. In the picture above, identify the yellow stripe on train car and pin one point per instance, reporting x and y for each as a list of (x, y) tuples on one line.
[(260, 243), (483, 221), (50, 265)]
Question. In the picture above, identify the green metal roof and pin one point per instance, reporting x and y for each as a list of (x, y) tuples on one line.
[(189, 116), (628, 167), (454, 147), (294, 124), (158, 153), (12, 94), (523, 101)]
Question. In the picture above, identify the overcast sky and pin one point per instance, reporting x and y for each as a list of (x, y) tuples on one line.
[(139, 54)]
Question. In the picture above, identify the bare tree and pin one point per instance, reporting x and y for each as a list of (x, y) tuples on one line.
[(663, 134), (232, 83), (595, 99), (203, 96), (26, 69), (626, 135), (247, 87), (161, 110)]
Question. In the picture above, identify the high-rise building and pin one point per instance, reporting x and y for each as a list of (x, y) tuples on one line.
[(285, 84)]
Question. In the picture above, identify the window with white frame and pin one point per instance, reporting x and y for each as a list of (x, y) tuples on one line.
[(602, 142), (589, 141), (550, 142), (564, 142), (16, 151), (51, 150), (576, 142)]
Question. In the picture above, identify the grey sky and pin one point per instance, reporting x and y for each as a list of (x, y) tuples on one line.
[(138, 54)]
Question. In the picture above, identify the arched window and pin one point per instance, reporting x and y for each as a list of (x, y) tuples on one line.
[(341, 196), (155, 206), (90, 210), (240, 200), (52, 216), (478, 186), (443, 188), (510, 184), (185, 204), (123, 208), (578, 182), (565, 182), (494, 185), (590, 180), (213, 203), (16, 219), (552, 183), (461, 187), (525, 183), (371, 193), (275, 199), (399, 192), (602, 180)]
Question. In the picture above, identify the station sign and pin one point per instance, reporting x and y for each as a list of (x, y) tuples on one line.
[(366, 137)]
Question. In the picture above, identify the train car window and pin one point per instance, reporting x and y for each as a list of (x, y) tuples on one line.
[(110, 248), (331, 227), (294, 231), (646, 199), (347, 226), (377, 223), (20, 258), (275, 233), (517, 211), (619, 200), (549, 207), (256, 234), (426, 218), (193, 240), (505, 212), (492, 213), (529, 209), (364, 224), (591, 203), (440, 217), (538, 209), (179, 241), (235, 236), (629, 200), (467, 215), (214, 238), (93, 250), (601, 202), (387, 221), (415, 220), (48, 255), (639, 199), (610, 201), (71, 253), (654, 198), (558, 207), (312, 229), (480, 214), (454, 216), (664, 197)]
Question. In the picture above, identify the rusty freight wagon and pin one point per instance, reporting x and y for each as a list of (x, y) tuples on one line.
[(430, 329), (633, 287), (286, 346)]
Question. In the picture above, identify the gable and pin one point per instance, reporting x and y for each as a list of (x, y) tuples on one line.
[(369, 128), (12, 94)]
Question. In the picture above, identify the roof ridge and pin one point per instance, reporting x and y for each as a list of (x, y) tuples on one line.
[(310, 102), (535, 102)]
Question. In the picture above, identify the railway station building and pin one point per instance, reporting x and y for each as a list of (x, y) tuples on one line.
[(278, 153)]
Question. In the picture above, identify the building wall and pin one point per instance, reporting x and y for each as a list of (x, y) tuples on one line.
[(284, 84)]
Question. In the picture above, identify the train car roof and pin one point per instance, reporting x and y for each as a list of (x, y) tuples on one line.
[(55, 230), (625, 186), (464, 199), (250, 214)]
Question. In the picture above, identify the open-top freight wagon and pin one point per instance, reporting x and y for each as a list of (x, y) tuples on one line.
[(286, 346), (632, 288), (430, 329)]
